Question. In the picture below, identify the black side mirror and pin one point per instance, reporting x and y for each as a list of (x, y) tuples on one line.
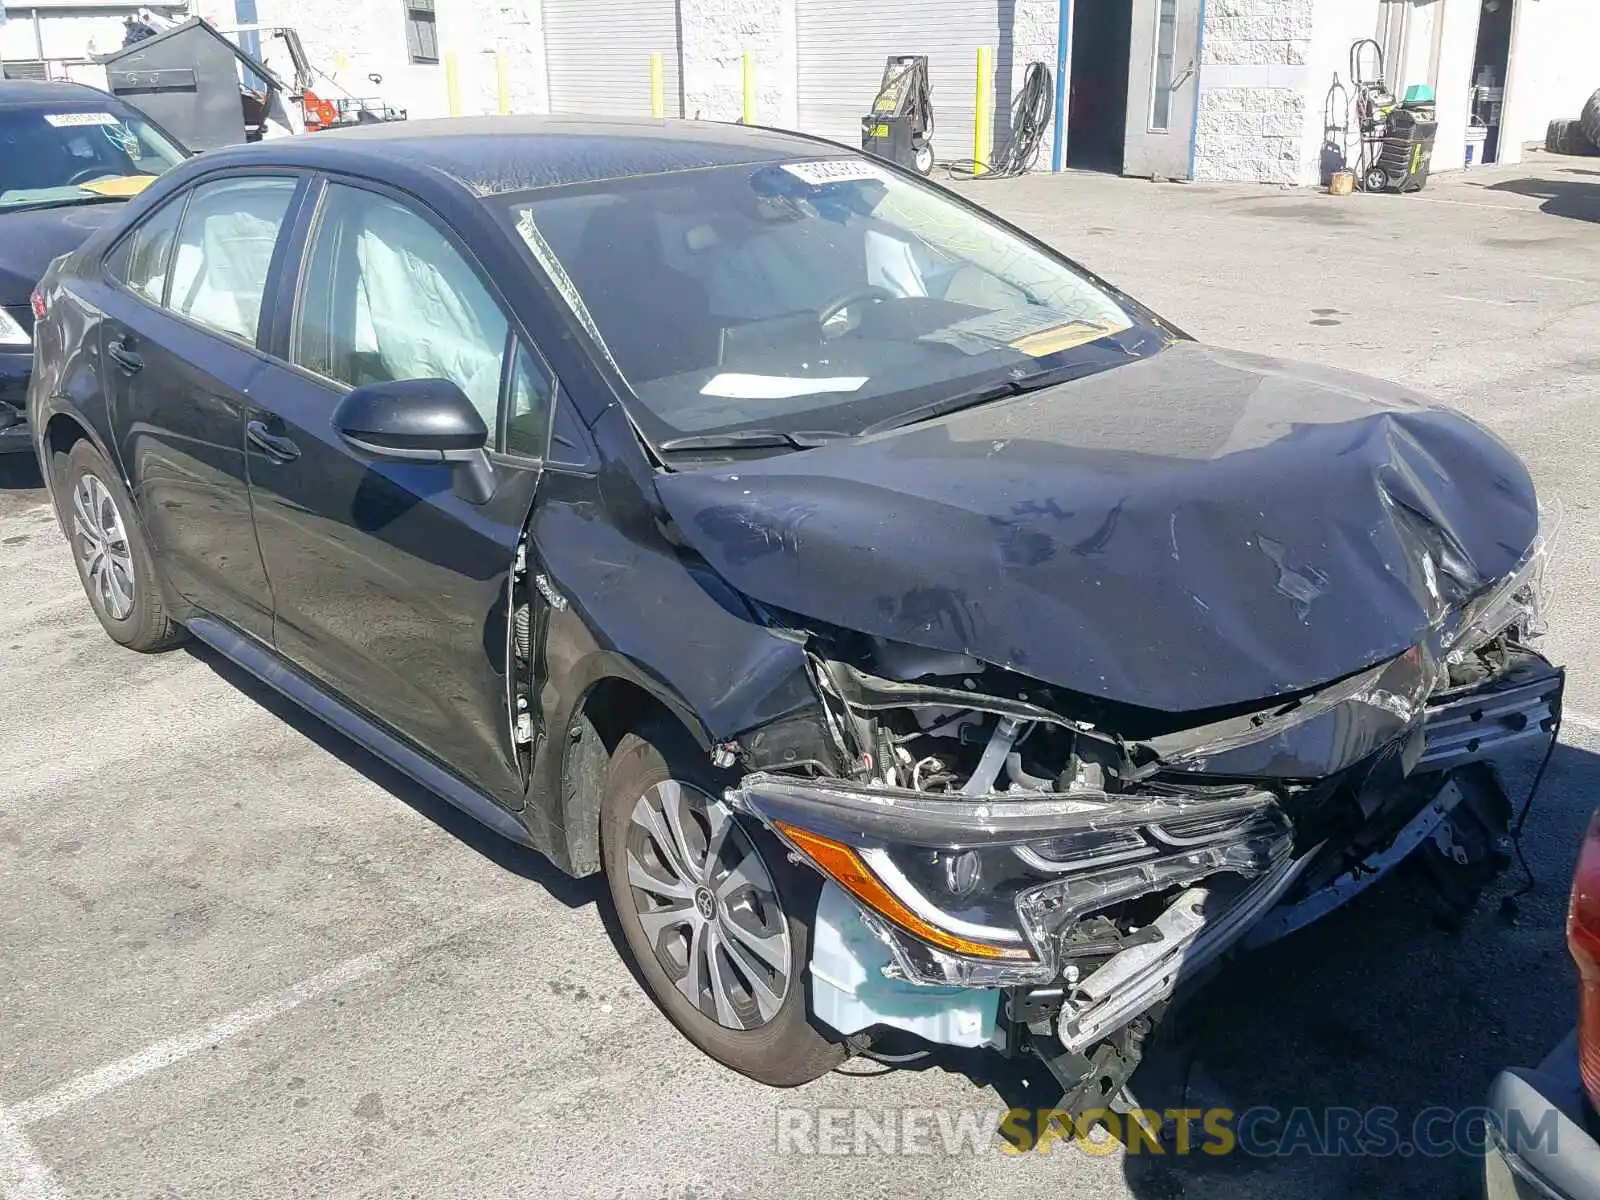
[(420, 420)]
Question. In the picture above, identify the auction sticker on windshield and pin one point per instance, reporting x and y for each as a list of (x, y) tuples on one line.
[(831, 170), (75, 120)]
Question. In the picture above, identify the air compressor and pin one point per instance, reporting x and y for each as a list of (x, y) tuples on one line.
[(900, 125)]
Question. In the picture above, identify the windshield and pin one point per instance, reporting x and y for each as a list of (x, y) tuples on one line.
[(65, 156), (817, 297)]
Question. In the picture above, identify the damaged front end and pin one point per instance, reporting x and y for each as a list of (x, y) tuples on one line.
[(1008, 863)]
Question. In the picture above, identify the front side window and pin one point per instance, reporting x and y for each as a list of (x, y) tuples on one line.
[(387, 296), (224, 251), (51, 156), (140, 262), (810, 296), (528, 406)]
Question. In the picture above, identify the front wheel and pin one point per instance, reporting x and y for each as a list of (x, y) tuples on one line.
[(716, 918)]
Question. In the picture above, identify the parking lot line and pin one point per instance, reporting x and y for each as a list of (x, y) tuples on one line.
[(165, 1053), (23, 1174)]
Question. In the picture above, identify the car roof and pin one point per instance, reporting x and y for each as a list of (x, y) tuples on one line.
[(40, 93), (490, 155)]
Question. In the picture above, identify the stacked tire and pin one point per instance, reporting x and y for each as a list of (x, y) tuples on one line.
[(1576, 136)]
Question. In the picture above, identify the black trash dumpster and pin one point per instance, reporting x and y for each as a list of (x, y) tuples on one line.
[(187, 79)]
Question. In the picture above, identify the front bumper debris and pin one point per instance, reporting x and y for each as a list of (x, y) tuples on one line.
[(1186, 872), (1471, 724)]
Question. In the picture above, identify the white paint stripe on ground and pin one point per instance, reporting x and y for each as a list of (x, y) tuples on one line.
[(23, 1174), (223, 1029)]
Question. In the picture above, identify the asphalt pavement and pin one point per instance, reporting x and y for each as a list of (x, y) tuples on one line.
[(239, 957)]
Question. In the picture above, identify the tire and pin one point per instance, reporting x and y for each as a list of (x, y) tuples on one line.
[(922, 158), (1567, 137), (114, 562), (1589, 120), (657, 771)]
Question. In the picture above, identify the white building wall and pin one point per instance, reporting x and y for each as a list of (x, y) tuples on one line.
[(1254, 86), (1035, 24), (1458, 46), (716, 36), (1555, 66), (1337, 25)]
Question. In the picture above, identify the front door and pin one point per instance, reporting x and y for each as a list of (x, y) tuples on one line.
[(390, 589), (179, 341), (1163, 87)]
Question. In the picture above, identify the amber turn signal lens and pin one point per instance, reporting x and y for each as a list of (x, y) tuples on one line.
[(843, 865)]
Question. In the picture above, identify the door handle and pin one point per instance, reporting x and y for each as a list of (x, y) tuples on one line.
[(1182, 77), (122, 354), (274, 445)]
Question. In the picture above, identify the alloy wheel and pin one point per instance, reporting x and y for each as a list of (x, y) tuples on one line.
[(102, 545), (708, 906)]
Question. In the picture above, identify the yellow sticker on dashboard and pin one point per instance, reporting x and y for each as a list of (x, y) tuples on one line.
[(1064, 337), (120, 185)]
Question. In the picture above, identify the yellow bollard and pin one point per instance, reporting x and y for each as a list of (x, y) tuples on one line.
[(502, 83), (749, 89), (983, 114), (452, 86), (658, 87)]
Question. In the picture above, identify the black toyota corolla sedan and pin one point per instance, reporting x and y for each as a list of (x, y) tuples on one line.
[(70, 156), (923, 637)]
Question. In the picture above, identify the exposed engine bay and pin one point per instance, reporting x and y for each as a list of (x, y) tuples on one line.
[(1013, 864)]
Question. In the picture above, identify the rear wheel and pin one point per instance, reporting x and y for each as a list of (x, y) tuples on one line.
[(114, 561), (716, 918)]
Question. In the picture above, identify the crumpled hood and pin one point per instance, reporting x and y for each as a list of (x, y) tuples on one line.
[(30, 239), (1196, 529)]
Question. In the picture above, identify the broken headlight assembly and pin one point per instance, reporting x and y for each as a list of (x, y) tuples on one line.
[(992, 890), (1514, 605)]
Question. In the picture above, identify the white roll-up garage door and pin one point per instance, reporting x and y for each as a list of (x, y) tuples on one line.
[(597, 53), (843, 44)]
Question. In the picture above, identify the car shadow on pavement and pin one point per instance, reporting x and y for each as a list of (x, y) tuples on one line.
[(1382, 1006), (1562, 198), (519, 860), (19, 472)]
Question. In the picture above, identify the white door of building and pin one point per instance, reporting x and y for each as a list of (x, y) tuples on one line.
[(1163, 88), (597, 54), (843, 45)]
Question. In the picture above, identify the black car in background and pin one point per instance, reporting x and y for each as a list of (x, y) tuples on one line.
[(921, 635), (70, 156)]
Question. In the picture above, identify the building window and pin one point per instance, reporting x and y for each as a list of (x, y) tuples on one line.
[(422, 34), (1161, 76)]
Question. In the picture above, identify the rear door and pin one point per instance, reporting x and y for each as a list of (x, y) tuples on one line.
[(1163, 88), (179, 343), (390, 589)]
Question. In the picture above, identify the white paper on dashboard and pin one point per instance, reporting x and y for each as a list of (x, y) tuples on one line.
[(734, 386)]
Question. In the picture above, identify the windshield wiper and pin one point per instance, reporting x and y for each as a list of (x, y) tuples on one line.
[(980, 395), (749, 439), (64, 202)]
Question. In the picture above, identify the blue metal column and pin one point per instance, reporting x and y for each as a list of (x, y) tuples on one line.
[(1058, 144)]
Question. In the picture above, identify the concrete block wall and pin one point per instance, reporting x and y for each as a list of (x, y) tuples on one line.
[(1253, 103), (716, 36), (1035, 24)]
